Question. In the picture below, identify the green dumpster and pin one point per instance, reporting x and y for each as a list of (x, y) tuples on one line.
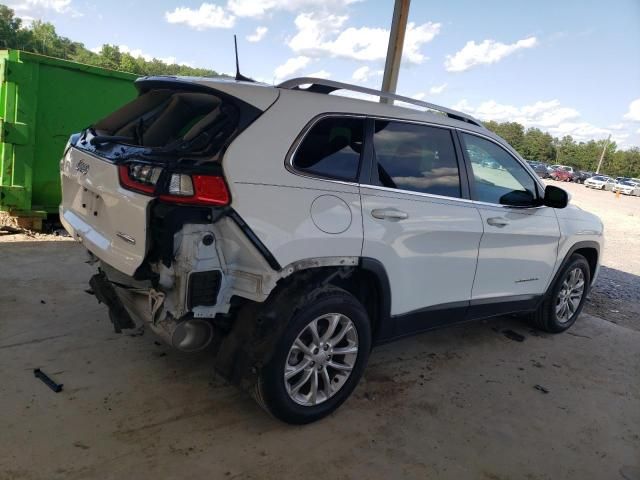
[(42, 101)]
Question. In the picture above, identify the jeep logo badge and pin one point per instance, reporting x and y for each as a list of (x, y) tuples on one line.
[(82, 167)]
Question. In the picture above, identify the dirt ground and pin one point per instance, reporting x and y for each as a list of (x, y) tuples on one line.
[(458, 403)]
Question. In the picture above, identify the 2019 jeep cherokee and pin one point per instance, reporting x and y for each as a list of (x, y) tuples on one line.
[(294, 229)]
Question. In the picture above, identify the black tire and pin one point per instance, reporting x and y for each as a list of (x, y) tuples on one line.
[(270, 390), (545, 317)]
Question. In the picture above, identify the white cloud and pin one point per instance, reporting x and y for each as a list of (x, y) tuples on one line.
[(634, 111), (258, 35), (487, 52), (258, 8), (363, 74), (617, 126), (437, 89), (319, 74), (206, 16), (321, 34), (290, 67), (541, 114), (36, 6), (547, 115)]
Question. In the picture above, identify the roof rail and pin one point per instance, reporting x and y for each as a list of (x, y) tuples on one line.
[(321, 85)]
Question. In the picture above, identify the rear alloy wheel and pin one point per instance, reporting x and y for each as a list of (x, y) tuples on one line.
[(319, 359), (564, 300)]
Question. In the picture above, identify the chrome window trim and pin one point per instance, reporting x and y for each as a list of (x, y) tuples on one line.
[(417, 194), (301, 136)]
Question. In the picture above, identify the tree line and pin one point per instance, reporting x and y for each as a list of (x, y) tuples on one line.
[(534, 144), (41, 37)]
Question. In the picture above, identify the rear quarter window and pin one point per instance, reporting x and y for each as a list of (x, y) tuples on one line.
[(331, 149)]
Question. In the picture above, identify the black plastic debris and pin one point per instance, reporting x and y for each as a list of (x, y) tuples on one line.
[(510, 334), (541, 388), (56, 387)]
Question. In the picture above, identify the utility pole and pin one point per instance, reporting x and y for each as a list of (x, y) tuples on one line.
[(606, 144), (394, 51)]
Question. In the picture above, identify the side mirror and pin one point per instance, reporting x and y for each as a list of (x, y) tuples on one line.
[(555, 197)]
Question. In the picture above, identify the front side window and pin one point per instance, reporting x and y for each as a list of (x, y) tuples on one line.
[(332, 148), (416, 158), (498, 176)]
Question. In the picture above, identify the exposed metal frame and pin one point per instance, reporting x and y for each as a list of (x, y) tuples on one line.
[(321, 85)]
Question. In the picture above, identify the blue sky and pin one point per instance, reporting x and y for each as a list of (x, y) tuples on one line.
[(568, 67)]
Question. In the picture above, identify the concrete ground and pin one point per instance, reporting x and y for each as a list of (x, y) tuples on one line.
[(458, 403)]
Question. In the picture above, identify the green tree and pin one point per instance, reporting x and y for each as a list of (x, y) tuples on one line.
[(512, 132), (538, 145)]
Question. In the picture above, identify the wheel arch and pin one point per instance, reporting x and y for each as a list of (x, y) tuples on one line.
[(259, 324), (588, 249), (365, 278)]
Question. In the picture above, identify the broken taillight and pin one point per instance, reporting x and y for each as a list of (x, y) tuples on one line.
[(183, 188), (196, 189), (139, 177)]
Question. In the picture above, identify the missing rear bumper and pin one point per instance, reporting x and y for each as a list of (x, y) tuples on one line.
[(105, 293)]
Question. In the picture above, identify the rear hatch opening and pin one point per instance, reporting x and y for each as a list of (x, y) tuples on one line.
[(144, 191)]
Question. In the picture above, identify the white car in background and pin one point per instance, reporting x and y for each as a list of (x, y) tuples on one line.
[(293, 230), (600, 182), (627, 187)]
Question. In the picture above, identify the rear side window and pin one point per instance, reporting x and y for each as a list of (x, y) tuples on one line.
[(416, 158), (332, 148)]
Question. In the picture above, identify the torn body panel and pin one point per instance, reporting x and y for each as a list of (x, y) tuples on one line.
[(209, 265)]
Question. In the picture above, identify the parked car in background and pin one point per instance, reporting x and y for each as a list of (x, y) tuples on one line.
[(561, 175), (563, 167), (581, 176), (600, 182), (540, 168), (627, 187)]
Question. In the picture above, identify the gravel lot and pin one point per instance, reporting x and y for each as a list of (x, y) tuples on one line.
[(458, 403), (616, 296)]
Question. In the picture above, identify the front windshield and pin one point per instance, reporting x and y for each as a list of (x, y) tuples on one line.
[(601, 179)]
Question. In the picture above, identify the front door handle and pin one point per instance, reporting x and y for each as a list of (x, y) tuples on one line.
[(389, 214), (497, 222)]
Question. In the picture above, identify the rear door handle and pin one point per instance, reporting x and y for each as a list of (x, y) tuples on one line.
[(389, 214), (497, 222)]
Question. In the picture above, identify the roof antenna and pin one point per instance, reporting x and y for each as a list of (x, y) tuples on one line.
[(239, 76)]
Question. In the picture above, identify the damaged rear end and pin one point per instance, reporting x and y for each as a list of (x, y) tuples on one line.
[(144, 190)]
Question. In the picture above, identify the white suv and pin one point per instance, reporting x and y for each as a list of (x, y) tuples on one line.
[(291, 230)]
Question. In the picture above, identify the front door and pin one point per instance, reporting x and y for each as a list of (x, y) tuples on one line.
[(519, 246), (417, 223)]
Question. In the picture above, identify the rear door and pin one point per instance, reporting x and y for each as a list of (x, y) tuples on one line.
[(519, 246), (419, 224)]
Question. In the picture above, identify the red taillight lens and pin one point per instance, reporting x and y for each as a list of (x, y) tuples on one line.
[(207, 190), (139, 177)]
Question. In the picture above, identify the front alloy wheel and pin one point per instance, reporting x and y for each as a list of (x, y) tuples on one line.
[(570, 295), (565, 298)]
